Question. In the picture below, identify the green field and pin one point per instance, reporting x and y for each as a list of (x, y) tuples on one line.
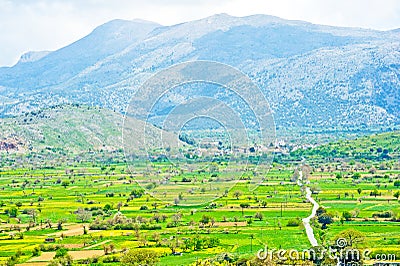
[(91, 209)]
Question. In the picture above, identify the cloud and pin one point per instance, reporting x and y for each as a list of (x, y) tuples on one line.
[(51, 24)]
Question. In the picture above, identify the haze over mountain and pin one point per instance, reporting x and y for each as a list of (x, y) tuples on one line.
[(312, 75)]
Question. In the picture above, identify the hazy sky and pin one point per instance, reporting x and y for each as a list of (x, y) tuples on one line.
[(27, 25)]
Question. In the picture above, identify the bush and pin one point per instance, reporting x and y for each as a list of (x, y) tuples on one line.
[(137, 193), (12, 212), (107, 207), (347, 216), (61, 252), (99, 225), (387, 214), (325, 219), (140, 257), (171, 225), (111, 259), (150, 227), (49, 247), (36, 252), (294, 222), (186, 179), (125, 226)]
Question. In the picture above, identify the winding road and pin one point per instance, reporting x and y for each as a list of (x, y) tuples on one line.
[(306, 221)]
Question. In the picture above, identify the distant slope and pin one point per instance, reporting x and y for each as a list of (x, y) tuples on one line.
[(71, 129), (312, 75), (375, 147)]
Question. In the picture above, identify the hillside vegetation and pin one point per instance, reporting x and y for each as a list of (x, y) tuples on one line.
[(377, 147), (71, 129)]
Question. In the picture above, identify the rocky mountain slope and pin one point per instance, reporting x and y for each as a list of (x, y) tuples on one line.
[(312, 75)]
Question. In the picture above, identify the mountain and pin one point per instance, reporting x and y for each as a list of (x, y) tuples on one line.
[(313, 76), (59, 66)]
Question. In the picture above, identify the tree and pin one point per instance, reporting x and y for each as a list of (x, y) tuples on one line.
[(243, 206), (18, 204), (306, 169), (355, 213), (292, 222), (320, 211), (119, 205), (36, 251), (259, 216), (48, 221), (60, 223), (359, 190), (264, 203), (33, 214), (176, 201), (83, 215), (325, 219), (137, 193), (372, 170), (62, 258), (107, 207), (397, 183), (352, 237), (347, 216), (397, 195), (356, 175), (13, 212), (375, 193), (61, 252), (237, 194), (176, 218), (157, 238), (212, 221), (65, 183), (205, 219), (61, 261)]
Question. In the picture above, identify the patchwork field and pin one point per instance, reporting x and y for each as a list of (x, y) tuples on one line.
[(91, 212)]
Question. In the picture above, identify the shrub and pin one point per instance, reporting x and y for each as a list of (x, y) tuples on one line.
[(150, 227), (137, 193), (12, 212), (325, 219), (259, 216), (347, 216), (36, 252), (111, 259), (387, 214), (140, 257), (294, 222), (61, 252)]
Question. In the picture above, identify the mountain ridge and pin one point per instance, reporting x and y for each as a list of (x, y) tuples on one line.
[(349, 70)]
